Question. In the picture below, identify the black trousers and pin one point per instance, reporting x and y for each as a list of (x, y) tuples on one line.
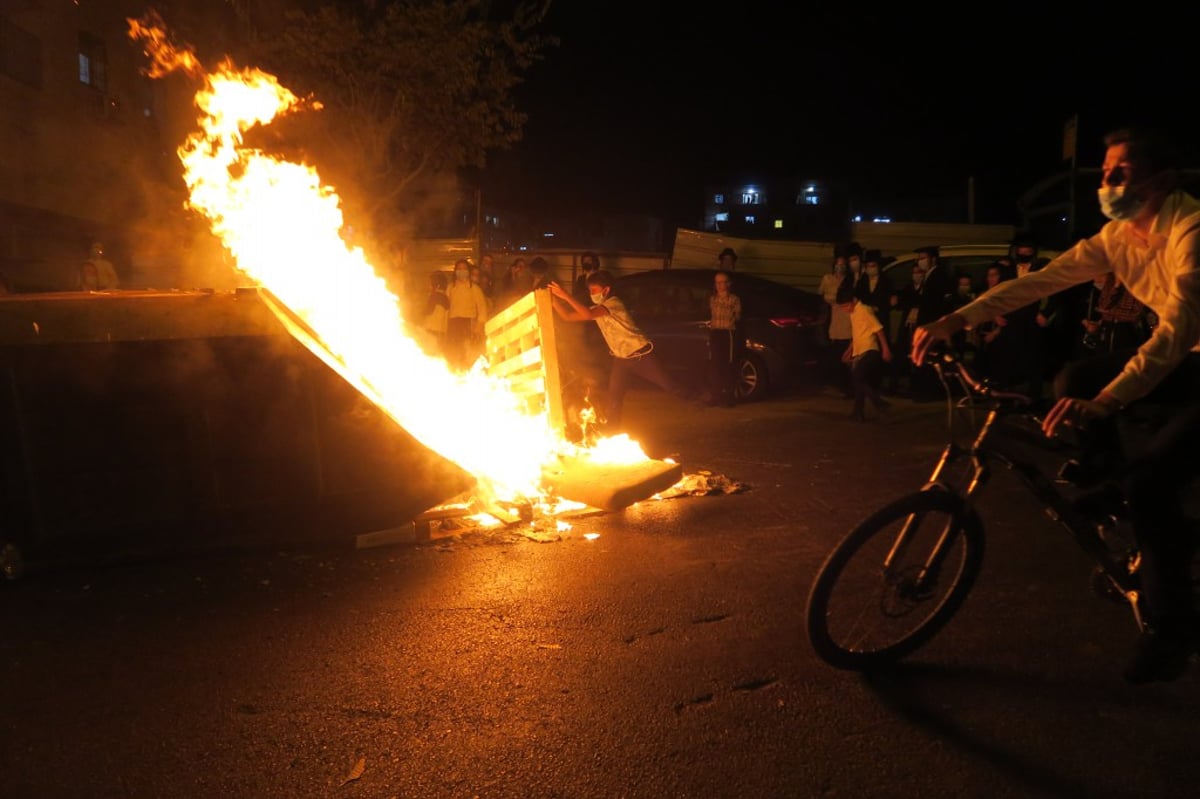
[(1159, 468), (649, 368), (866, 371), (724, 353)]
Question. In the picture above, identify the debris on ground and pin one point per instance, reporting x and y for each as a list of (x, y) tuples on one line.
[(467, 518), (703, 484)]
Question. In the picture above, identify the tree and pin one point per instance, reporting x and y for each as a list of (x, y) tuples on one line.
[(410, 91)]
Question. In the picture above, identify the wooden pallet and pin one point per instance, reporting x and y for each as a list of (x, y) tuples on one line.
[(523, 349)]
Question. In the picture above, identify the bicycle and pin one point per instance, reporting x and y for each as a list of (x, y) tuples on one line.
[(895, 580)]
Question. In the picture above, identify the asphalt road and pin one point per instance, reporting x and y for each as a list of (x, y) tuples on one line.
[(664, 657)]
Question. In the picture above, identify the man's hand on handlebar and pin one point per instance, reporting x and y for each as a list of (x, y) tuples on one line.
[(926, 336), (1073, 412)]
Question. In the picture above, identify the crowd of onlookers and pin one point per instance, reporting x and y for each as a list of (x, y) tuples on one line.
[(459, 304), (870, 329), (1021, 351)]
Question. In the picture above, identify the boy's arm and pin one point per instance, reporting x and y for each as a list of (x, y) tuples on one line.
[(884, 349), (567, 306)]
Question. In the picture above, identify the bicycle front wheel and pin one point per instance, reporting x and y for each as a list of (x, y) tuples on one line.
[(894, 581)]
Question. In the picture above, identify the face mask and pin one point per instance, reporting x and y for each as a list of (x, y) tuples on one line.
[(596, 298), (461, 275), (839, 268), (1118, 204), (963, 291)]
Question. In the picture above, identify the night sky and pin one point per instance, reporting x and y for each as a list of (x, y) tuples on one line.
[(642, 105)]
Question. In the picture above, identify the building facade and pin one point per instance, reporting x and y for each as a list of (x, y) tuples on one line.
[(778, 208), (81, 150)]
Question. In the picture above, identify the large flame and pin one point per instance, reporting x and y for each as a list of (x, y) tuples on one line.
[(283, 228)]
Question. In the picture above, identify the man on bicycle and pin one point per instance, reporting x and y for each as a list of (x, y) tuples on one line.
[(1152, 244)]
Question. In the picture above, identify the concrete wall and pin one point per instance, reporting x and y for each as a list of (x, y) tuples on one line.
[(183, 420)]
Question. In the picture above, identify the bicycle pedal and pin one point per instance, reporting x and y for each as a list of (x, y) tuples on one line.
[(1069, 473)]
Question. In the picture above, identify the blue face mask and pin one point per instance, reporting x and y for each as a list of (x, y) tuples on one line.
[(1118, 204), (596, 298)]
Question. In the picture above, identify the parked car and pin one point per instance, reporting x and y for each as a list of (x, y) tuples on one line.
[(784, 325), (974, 259)]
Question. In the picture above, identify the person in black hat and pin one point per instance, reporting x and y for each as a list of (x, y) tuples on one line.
[(727, 260), (934, 299), (854, 262), (875, 290)]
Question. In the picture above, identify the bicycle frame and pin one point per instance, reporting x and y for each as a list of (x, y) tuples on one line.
[(990, 445)]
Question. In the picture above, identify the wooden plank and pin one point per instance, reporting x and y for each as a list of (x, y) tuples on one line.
[(613, 486), (411, 533), (549, 349)]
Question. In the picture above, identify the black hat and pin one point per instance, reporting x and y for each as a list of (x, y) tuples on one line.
[(854, 250), (931, 251), (727, 251), (873, 257)]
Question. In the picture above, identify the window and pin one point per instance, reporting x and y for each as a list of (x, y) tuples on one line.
[(718, 199), (749, 219), (809, 196), (20, 55), (751, 197), (779, 224), (93, 63), (722, 216)]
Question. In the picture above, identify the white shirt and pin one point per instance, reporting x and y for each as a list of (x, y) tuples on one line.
[(621, 333), (839, 320), (864, 324), (1163, 273)]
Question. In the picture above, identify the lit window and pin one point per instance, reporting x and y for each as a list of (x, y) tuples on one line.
[(810, 196), (718, 199), (750, 196), (749, 219), (93, 63), (779, 224), (722, 216)]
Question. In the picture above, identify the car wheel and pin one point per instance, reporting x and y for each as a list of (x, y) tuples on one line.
[(752, 379)]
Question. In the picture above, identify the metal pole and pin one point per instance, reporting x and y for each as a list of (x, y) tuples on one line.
[(1071, 214), (478, 224)]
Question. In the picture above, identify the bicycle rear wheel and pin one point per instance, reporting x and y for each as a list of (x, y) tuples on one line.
[(864, 611)]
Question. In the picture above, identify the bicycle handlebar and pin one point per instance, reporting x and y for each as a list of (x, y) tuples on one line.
[(947, 362)]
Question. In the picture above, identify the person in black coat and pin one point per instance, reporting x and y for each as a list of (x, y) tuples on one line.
[(875, 290), (933, 298), (936, 290)]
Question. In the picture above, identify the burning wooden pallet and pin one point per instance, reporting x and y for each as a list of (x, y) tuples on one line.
[(522, 347)]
